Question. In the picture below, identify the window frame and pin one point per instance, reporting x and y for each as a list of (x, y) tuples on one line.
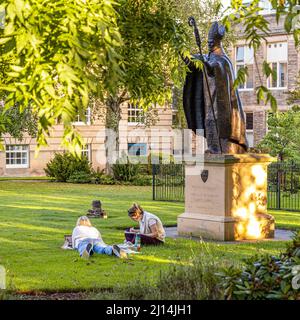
[(87, 151), (137, 110), (250, 131), (87, 121), (21, 165), (144, 144), (243, 64), (278, 78), (278, 62)]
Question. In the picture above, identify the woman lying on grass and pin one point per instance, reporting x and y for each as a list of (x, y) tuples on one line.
[(87, 240), (151, 228)]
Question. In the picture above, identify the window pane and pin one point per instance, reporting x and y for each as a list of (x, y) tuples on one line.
[(249, 83), (238, 67), (249, 120), (274, 80), (282, 74), (17, 155), (137, 149), (250, 138), (240, 54), (135, 114)]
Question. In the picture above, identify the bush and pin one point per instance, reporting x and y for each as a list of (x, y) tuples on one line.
[(266, 277), (107, 179), (98, 175), (80, 177), (142, 180), (125, 171), (63, 165)]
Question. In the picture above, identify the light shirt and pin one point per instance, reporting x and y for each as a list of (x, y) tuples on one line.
[(85, 232), (149, 220)]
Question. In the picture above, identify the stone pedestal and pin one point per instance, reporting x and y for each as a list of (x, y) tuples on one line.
[(226, 198)]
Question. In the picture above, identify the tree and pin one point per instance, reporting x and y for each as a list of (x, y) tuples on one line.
[(283, 137), (294, 94), (18, 123), (54, 55)]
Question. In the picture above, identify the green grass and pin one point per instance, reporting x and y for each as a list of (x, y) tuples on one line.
[(43, 178), (35, 217)]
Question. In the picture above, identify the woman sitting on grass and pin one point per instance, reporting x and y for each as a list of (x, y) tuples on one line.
[(151, 228), (87, 240)]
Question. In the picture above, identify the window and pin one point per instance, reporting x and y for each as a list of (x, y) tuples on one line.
[(277, 58), (79, 120), (249, 120), (87, 152), (17, 156), (137, 149), (244, 58), (135, 114), (249, 128)]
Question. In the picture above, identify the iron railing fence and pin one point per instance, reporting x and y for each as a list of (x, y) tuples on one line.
[(283, 184), (168, 182)]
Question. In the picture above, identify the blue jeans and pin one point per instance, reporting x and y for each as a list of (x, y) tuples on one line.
[(98, 247)]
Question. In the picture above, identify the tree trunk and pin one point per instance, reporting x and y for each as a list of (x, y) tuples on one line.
[(113, 118)]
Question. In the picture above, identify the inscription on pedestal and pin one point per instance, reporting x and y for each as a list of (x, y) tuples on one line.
[(205, 197)]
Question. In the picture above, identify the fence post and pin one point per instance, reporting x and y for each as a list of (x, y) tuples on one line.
[(278, 195), (153, 182)]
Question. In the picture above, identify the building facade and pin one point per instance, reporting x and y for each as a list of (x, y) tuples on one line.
[(18, 158), (279, 51)]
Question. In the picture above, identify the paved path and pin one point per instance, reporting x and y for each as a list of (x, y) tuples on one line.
[(280, 235)]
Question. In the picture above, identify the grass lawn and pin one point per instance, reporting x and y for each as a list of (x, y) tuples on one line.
[(35, 217)]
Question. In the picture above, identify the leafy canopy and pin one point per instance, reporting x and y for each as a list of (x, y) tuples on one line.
[(283, 137), (53, 54)]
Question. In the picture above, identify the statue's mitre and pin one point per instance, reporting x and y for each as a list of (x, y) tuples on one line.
[(216, 31)]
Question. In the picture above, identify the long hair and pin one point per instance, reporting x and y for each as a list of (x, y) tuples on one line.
[(83, 221)]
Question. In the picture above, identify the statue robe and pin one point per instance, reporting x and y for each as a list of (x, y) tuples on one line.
[(230, 118)]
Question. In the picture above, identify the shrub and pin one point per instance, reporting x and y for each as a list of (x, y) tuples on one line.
[(107, 179), (80, 177), (63, 165), (142, 180), (266, 277), (146, 166), (98, 175), (125, 171)]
